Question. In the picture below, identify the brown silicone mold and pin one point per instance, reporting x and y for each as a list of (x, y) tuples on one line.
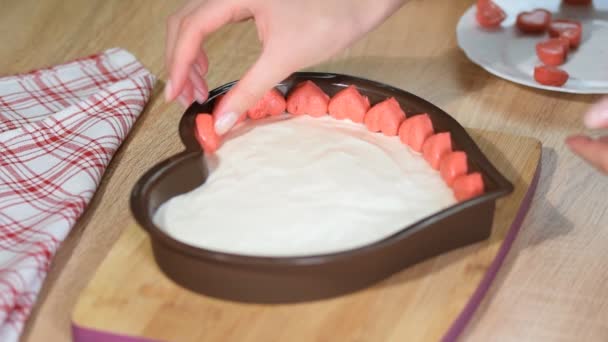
[(293, 279)]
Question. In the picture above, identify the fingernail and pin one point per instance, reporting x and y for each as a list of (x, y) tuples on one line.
[(199, 96), (225, 122), (596, 118), (168, 90), (183, 101)]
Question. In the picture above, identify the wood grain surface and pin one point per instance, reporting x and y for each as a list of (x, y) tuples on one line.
[(129, 294), (552, 287)]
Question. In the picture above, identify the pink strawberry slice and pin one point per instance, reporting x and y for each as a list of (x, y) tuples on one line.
[(570, 29), (489, 14), (553, 51), (535, 21), (307, 98), (385, 117), (453, 165), (578, 2), (550, 75), (436, 147), (273, 103), (468, 186), (415, 130), (348, 103), (205, 133)]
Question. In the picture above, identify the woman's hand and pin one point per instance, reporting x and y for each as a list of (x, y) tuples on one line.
[(294, 33), (595, 151)]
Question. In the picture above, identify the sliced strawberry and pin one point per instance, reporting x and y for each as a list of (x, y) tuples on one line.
[(372, 118), (453, 165), (535, 21), (205, 133), (553, 51), (489, 14), (385, 117), (565, 43), (550, 75), (468, 186), (578, 2), (415, 130), (436, 147), (389, 124), (570, 29), (307, 98), (574, 36), (273, 103), (405, 130), (348, 103)]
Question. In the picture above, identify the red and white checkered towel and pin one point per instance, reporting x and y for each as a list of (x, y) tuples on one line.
[(59, 128)]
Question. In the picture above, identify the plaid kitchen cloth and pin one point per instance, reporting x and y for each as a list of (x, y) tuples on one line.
[(59, 128)]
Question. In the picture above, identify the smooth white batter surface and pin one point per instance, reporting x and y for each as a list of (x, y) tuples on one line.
[(294, 186)]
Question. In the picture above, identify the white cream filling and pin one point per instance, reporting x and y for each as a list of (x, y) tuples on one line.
[(294, 186)]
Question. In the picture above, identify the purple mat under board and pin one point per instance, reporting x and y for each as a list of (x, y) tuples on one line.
[(467, 313)]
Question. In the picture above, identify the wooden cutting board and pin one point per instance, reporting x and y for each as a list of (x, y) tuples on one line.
[(129, 296)]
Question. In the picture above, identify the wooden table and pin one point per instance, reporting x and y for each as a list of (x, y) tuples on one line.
[(553, 284)]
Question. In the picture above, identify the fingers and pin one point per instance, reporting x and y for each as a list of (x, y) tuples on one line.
[(173, 23), (199, 86), (594, 151), (267, 71), (201, 62), (186, 97), (597, 116), (191, 30)]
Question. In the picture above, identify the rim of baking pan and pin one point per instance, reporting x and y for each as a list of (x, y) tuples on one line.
[(502, 186)]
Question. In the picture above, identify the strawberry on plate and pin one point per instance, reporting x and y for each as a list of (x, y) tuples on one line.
[(536, 21), (553, 51), (489, 14), (570, 29), (550, 75)]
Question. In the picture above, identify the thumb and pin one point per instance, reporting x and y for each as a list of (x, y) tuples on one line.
[(270, 69), (597, 116)]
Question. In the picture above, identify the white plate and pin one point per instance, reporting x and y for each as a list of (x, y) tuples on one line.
[(508, 54)]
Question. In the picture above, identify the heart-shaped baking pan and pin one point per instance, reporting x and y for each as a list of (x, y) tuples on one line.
[(294, 279)]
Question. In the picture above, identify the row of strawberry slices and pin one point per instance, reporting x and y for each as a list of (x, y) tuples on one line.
[(387, 117)]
